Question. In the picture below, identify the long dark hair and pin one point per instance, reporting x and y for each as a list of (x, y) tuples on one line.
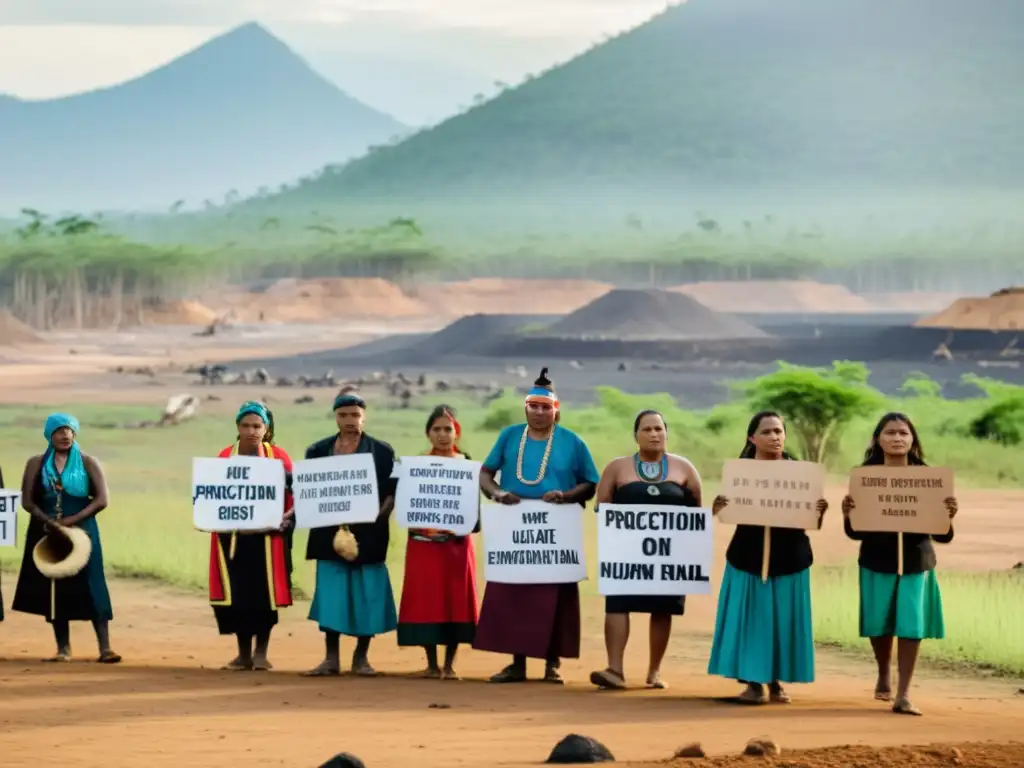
[(874, 456), (446, 410), (749, 451), (647, 412)]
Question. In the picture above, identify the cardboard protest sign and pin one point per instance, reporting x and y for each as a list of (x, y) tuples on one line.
[(778, 494), (901, 499)]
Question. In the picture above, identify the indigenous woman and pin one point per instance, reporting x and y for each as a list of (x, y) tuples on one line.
[(902, 602), (353, 592), (536, 460), (763, 633), (439, 592), (250, 571), (65, 488), (649, 476)]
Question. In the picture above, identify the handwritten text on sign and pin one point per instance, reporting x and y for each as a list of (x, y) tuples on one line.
[(781, 494), (440, 494), (240, 493), (533, 542), (335, 490), (901, 499), (654, 550), (9, 502)]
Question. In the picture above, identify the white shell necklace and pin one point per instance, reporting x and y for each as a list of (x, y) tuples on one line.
[(543, 461)]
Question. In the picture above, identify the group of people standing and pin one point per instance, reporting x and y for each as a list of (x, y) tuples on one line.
[(763, 632)]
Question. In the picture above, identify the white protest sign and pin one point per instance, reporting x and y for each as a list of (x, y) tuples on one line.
[(438, 493), (335, 490), (239, 493), (533, 542), (646, 549), (9, 502)]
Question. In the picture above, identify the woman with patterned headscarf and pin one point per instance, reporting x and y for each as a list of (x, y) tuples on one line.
[(250, 571), (64, 487)]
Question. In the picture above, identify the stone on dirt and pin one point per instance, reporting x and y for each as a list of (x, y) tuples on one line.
[(580, 749), (762, 746), (691, 750)]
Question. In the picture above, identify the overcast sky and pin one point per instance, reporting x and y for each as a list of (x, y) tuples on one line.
[(417, 59)]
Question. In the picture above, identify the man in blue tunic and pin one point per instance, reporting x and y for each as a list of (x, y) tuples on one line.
[(536, 460)]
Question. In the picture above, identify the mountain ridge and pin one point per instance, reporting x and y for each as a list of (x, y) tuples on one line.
[(721, 94), (240, 111)]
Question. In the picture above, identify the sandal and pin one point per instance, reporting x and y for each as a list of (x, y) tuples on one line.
[(237, 665), (608, 678), (551, 675), (323, 669), (109, 657), (363, 669), (778, 695), (752, 696), (882, 694), (656, 683), (450, 674), (430, 674), (509, 674), (903, 706), (59, 657), (262, 665)]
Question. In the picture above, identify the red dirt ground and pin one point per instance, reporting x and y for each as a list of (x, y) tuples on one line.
[(169, 705)]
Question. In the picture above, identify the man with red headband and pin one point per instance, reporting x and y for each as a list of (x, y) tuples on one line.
[(537, 460)]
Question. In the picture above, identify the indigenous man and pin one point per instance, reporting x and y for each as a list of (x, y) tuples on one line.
[(536, 460)]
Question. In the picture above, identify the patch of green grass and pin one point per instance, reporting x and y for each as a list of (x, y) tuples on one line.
[(983, 617)]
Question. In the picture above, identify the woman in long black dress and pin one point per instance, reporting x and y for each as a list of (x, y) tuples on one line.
[(649, 476)]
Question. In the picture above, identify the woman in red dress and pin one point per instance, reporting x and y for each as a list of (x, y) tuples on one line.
[(439, 605), (250, 572)]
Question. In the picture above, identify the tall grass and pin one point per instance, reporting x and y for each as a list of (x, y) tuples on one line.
[(147, 530)]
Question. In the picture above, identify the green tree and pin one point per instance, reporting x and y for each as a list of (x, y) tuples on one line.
[(919, 384), (817, 403)]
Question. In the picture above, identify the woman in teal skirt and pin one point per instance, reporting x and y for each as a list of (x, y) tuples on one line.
[(763, 632), (903, 603), (65, 487)]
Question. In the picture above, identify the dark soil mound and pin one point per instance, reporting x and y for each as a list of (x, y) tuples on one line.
[(650, 315)]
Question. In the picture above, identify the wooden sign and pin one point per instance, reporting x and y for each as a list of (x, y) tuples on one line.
[(901, 499), (779, 494)]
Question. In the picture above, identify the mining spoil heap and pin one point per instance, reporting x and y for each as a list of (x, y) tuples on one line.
[(779, 296), (13, 331), (1002, 311), (649, 315)]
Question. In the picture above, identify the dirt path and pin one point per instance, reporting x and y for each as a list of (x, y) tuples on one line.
[(180, 710)]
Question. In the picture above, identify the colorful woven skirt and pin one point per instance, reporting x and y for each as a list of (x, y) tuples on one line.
[(907, 606), (763, 631), (354, 600)]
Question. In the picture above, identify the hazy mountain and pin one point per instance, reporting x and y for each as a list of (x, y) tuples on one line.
[(237, 113), (719, 95)]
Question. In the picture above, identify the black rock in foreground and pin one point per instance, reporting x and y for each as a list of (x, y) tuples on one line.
[(344, 760), (580, 749)]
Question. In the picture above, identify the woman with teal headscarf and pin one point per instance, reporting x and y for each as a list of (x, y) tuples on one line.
[(65, 487)]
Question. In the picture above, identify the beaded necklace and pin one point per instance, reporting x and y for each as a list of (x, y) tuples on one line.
[(651, 471), (543, 461)]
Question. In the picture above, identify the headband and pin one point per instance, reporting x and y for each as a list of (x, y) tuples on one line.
[(348, 399)]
